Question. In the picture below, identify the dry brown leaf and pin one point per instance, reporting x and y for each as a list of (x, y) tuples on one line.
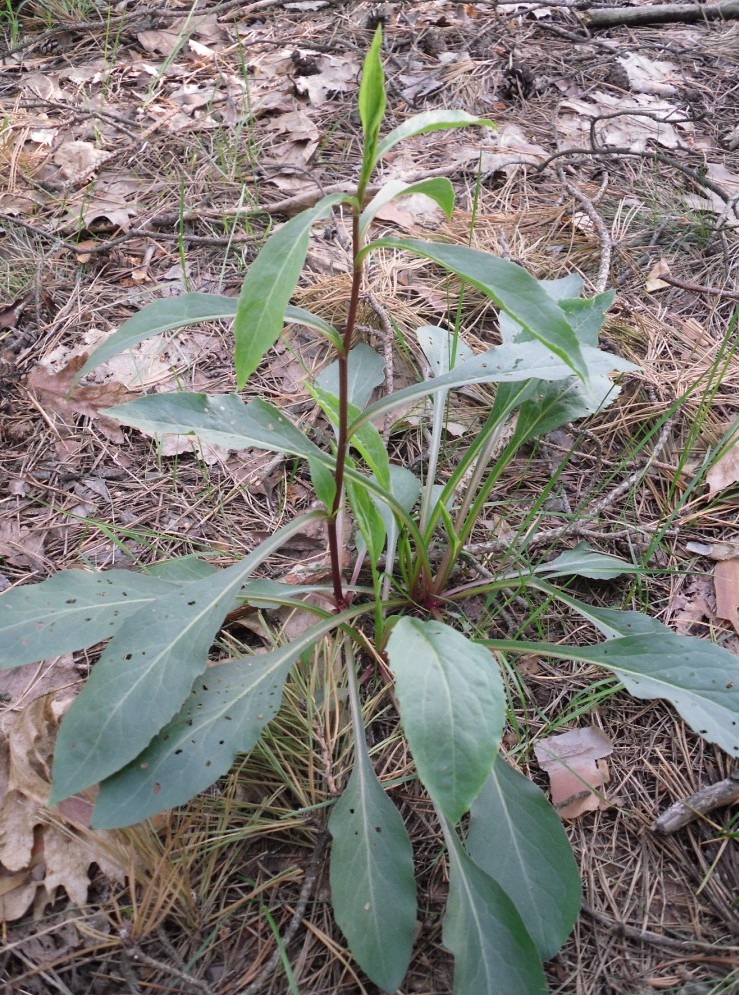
[(42, 851), (653, 281), (726, 585), (724, 471), (573, 761), (56, 392), (78, 159), (21, 546)]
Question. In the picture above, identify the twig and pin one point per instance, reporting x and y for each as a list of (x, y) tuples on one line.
[(604, 238), (667, 13), (311, 875), (137, 956), (647, 936), (713, 796), (697, 288)]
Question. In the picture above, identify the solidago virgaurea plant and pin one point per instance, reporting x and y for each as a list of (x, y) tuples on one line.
[(153, 727)]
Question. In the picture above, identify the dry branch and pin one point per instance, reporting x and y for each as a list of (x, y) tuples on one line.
[(663, 13), (713, 796)]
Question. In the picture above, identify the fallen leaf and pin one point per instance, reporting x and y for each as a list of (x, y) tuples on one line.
[(40, 852), (56, 392), (726, 585), (724, 472), (78, 159), (573, 761), (653, 281)]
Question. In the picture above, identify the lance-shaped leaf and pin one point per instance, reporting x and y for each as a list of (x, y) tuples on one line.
[(700, 679), (179, 312), (452, 707), (373, 891), (511, 287), (508, 363), (421, 124), (437, 188), (69, 611), (223, 420), (146, 672), (225, 714), (269, 284), (582, 561), (371, 105), (493, 953), (366, 440), (517, 838)]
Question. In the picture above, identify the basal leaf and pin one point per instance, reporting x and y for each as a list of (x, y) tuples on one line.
[(699, 678), (373, 890), (582, 561), (517, 838), (69, 611), (227, 709), (269, 284), (146, 672), (437, 188), (421, 124), (452, 707), (512, 288), (493, 953)]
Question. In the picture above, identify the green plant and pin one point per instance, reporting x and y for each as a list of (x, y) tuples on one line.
[(153, 726)]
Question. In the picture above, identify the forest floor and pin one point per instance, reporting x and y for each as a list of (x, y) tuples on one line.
[(146, 151)]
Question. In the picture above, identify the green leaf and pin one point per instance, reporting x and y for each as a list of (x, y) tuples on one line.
[(366, 440), (555, 404), (373, 890), (146, 672), (179, 312), (223, 420), (700, 679), (365, 372), (438, 188), (508, 363), (517, 838), (182, 569), (493, 953), (582, 561), (69, 611), (371, 105), (512, 289), (452, 708), (421, 124), (224, 715), (440, 346), (269, 284), (161, 316), (368, 518), (324, 483)]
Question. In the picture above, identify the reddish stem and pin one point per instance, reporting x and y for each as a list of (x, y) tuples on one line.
[(343, 440)]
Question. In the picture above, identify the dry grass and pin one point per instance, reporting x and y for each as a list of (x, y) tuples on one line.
[(660, 913)]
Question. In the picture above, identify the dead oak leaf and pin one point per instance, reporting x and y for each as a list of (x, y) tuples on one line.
[(724, 472), (573, 761), (58, 393)]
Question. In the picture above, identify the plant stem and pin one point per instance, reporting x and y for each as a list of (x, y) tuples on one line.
[(343, 440)]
